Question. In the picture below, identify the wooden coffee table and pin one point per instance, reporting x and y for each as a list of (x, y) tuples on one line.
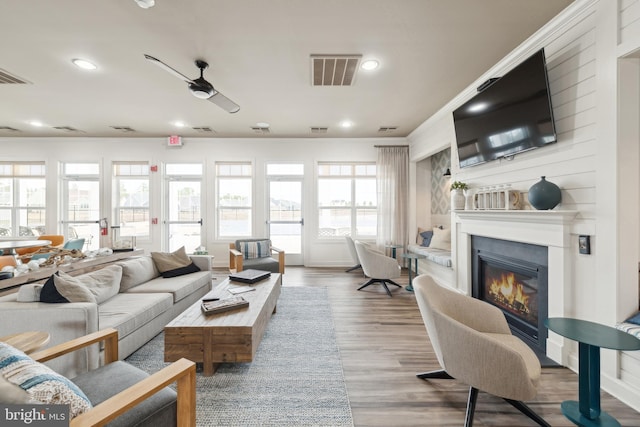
[(231, 336)]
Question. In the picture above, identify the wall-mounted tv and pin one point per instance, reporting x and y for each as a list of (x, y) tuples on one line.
[(509, 115)]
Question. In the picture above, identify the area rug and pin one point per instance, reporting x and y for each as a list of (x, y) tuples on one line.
[(296, 378)]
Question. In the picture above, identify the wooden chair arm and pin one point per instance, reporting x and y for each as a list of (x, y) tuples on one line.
[(182, 371), (108, 335), (235, 259), (280, 253)]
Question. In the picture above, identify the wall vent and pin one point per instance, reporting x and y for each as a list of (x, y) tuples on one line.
[(334, 70), (260, 130), (8, 78), (203, 129), (67, 128), (9, 128), (319, 129), (384, 129), (123, 128)]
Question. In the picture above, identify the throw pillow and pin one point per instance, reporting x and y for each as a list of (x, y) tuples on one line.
[(49, 293), (441, 239), (12, 393), (136, 271), (635, 319), (255, 249), (426, 238), (72, 289), (42, 384), (29, 293), (191, 268), (170, 261), (419, 236)]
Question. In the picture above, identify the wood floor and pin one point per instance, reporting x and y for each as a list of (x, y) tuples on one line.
[(383, 344)]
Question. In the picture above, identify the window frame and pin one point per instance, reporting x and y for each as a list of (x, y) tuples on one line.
[(219, 207)]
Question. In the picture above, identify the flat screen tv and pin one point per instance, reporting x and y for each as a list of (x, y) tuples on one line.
[(510, 115)]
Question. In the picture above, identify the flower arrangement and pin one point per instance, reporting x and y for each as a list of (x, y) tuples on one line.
[(459, 185)]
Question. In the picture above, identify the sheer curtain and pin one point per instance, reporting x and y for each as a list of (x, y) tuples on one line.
[(392, 168)]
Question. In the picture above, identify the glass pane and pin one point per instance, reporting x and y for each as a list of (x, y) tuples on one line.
[(184, 201), (287, 237), (285, 201), (233, 169), (234, 192), (84, 201), (366, 192), (134, 221), (285, 169), (21, 169), (234, 222), (369, 170), (88, 232), (133, 209), (31, 221), (81, 169), (366, 222), (131, 169), (6, 192), (5, 222), (187, 235), (183, 169), (33, 192), (334, 222), (334, 192)]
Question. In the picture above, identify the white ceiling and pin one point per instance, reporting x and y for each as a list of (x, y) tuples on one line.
[(259, 56)]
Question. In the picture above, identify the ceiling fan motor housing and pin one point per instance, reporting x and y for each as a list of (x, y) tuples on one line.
[(200, 88)]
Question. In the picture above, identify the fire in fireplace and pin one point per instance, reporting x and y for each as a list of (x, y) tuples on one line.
[(513, 277)]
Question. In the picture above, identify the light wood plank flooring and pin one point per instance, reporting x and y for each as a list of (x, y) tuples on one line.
[(383, 344)]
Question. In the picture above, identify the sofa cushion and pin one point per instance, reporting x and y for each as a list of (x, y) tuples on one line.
[(136, 271), (438, 256), (252, 249), (170, 261), (106, 381), (441, 239), (40, 382), (266, 263), (180, 287), (127, 312)]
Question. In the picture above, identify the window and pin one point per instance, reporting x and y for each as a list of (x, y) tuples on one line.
[(234, 182), (347, 200), (131, 198), (22, 199)]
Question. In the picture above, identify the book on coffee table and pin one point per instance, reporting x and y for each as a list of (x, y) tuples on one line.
[(222, 305)]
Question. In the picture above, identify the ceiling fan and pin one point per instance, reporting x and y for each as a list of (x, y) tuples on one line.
[(199, 87)]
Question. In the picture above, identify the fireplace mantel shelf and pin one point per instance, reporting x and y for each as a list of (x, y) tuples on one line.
[(529, 216)]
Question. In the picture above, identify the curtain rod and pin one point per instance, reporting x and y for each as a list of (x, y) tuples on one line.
[(385, 146)]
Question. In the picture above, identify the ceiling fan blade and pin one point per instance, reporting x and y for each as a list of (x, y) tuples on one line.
[(165, 67), (223, 102)]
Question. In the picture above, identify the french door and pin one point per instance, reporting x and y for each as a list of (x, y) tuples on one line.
[(285, 217), (183, 208)]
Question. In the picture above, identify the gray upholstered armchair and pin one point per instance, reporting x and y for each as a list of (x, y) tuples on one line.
[(377, 267), (473, 344), (258, 254)]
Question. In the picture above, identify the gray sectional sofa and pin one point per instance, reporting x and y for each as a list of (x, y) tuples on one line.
[(139, 307)]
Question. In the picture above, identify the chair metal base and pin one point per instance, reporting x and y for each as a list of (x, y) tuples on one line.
[(355, 267), (473, 397), (383, 282)]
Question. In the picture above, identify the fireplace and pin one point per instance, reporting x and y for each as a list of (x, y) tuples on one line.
[(513, 276)]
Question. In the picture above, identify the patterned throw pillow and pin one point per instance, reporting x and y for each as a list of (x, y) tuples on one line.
[(257, 249), (41, 383)]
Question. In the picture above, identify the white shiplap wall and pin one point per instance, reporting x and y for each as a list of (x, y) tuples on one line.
[(582, 71)]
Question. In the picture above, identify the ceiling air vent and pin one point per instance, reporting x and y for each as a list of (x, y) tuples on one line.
[(67, 128), (9, 128), (260, 130), (319, 129), (203, 129), (334, 70), (7, 78), (123, 128), (385, 129)]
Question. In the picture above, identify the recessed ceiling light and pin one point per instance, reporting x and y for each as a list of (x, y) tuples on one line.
[(370, 64), (84, 64), (179, 124), (145, 4), (36, 123), (346, 124), (262, 125)]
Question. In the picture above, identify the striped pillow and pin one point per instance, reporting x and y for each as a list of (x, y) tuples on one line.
[(42, 384), (256, 249)]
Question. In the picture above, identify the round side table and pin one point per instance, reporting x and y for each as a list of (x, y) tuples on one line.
[(411, 257), (27, 342)]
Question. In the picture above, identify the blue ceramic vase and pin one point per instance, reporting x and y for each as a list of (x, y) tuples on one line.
[(544, 195)]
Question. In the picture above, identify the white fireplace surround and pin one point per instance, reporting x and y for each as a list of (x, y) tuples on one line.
[(544, 228)]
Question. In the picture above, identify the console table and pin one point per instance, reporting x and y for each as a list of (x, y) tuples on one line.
[(591, 337)]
